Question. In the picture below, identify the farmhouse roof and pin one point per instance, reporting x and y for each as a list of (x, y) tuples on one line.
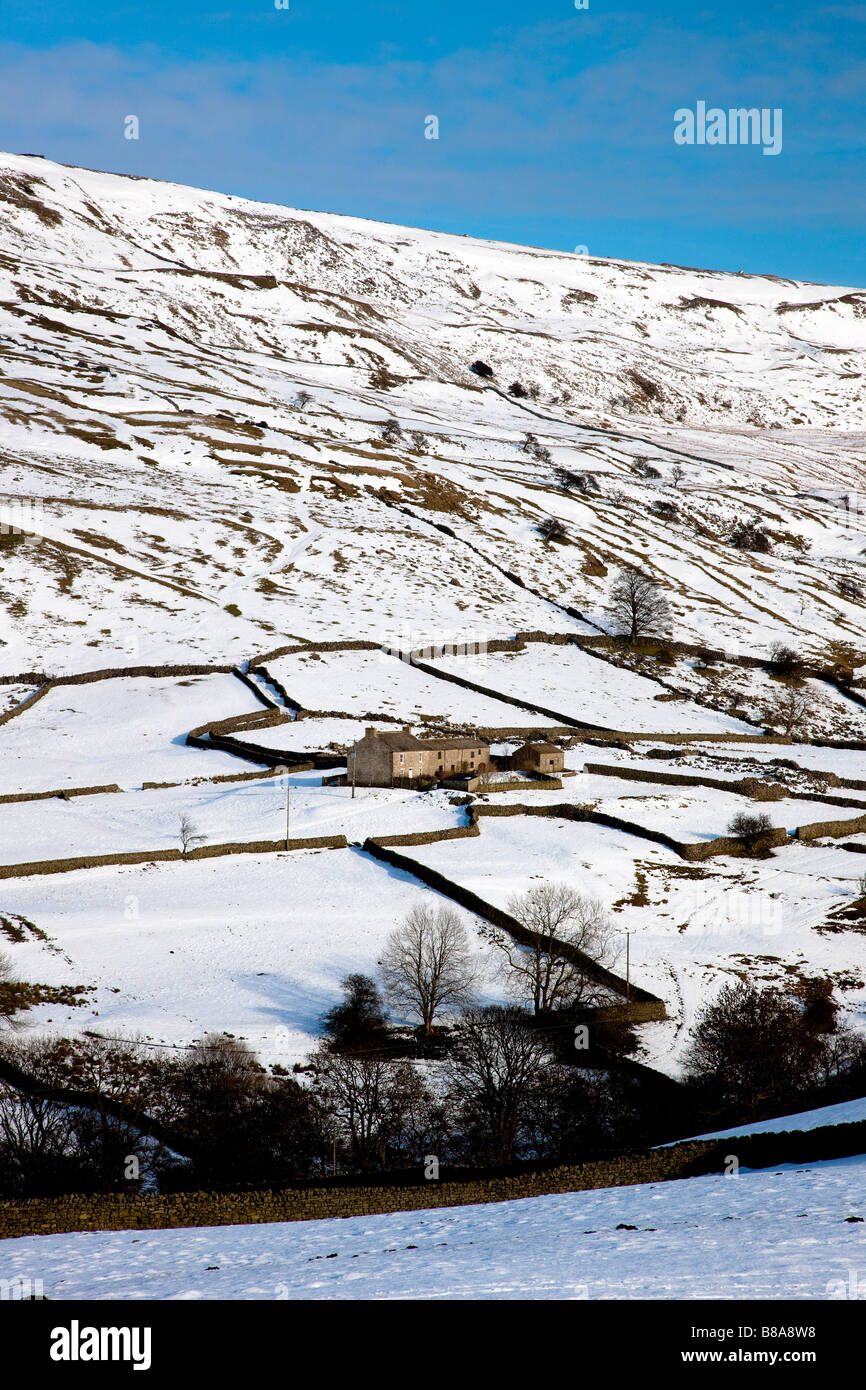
[(401, 741), (398, 741)]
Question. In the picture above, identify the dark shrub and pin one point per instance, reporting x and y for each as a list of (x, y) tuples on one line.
[(666, 510), (576, 482), (784, 660), (358, 1021), (850, 588), (644, 469), (748, 535), (750, 1051), (751, 827), (552, 529)]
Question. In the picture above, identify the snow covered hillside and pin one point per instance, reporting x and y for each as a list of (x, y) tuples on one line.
[(192, 405), (233, 433)]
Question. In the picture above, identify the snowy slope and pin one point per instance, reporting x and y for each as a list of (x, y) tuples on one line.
[(177, 493), (779, 1234)]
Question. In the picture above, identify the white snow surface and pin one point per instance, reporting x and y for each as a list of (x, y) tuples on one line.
[(777, 1234)]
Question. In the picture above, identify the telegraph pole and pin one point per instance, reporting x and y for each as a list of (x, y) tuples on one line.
[(288, 791)]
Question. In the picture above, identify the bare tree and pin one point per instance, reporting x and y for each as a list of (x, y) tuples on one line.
[(426, 965), (10, 1001), (495, 1073), (752, 827), (379, 1111), (677, 474), (302, 400), (556, 916), (792, 710), (637, 605), (188, 833), (391, 431)]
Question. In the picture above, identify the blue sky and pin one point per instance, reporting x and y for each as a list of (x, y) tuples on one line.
[(555, 124)]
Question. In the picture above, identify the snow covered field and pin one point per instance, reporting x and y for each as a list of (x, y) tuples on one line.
[(254, 945), (130, 730), (584, 687), (779, 1234), (370, 682), (692, 927), (239, 427), (223, 813)]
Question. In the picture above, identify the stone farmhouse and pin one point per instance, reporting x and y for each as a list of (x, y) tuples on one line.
[(384, 759)]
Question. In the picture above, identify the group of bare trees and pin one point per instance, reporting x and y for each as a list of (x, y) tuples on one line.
[(98, 1114), (503, 1092), (428, 968), (499, 1071)]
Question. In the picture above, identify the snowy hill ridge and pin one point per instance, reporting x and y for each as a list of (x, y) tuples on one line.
[(444, 297), (194, 401)]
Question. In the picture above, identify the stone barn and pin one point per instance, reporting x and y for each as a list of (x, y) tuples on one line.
[(538, 757), (385, 759)]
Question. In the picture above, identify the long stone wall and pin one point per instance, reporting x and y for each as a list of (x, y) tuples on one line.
[(115, 673), (832, 829), (756, 788), (147, 856), (430, 837), (693, 851), (555, 715), (8, 798), (693, 1158)]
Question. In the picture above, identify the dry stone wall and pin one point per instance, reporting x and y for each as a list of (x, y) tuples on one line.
[(692, 1158)]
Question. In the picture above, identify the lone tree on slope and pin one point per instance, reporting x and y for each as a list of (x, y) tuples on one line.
[(792, 711), (555, 916), (10, 999), (752, 828), (637, 605), (188, 833), (426, 964)]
